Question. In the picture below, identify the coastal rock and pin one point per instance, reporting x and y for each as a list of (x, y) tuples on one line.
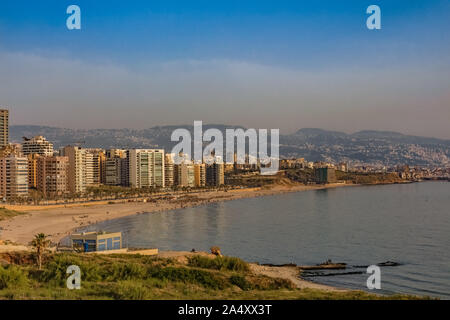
[(216, 251)]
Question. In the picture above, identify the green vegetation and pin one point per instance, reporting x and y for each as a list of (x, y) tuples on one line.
[(123, 276), (7, 214), (12, 277), (40, 244), (254, 180), (368, 178), (307, 176), (301, 175), (219, 263)]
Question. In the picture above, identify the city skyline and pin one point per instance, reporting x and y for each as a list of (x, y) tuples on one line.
[(224, 154), (286, 65)]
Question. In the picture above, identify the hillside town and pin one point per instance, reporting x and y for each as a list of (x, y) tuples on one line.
[(33, 170)]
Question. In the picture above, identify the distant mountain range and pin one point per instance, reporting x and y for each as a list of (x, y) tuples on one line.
[(363, 147)]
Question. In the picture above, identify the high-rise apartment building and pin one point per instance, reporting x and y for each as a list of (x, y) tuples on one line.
[(52, 175), (168, 170), (125, 170), (116, 167), (184, 174), (94, 162), (4, 127), (114, 171), (112, 176), (37, 145), (13, 177), (200, 174), (115, 153), (85, 167), (32, 170), (215, 174), (77, 168), (146, 168), (89, 168), (102, 162)]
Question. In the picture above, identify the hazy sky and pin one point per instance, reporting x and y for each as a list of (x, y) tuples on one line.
[(264, 64)]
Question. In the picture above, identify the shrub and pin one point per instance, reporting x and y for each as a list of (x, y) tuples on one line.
[(128, 271), (267, 283), (234, 264), (12, 277), (127, 290), (219, 263), (200, 277), (280, 283), (56, 269), (241, 282), (6, 213)]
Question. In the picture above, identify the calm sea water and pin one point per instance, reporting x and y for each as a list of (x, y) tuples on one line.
[(408, 223)]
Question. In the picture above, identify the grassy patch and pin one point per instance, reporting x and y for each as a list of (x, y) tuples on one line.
[(368, 178), (218, 263), (12, 277), (8, 214), (202, 278), (136, 277)]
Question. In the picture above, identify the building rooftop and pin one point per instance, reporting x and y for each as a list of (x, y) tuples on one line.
[(94, 233)]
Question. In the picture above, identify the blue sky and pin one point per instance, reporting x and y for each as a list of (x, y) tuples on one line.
[(272, 44), (297, 33)]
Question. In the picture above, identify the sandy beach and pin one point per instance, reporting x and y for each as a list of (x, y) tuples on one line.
[(58, 221)]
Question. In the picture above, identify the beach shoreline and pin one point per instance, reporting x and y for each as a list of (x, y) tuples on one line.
[(59, 221)]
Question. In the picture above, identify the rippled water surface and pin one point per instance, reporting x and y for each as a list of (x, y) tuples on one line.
[(409, 224)]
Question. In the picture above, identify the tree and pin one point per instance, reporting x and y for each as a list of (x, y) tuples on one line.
[(40, 243)]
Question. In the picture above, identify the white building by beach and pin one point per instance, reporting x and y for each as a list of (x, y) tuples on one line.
[(146, 168)]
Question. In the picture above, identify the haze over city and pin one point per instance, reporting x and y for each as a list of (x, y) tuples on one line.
[(275, 65), (132, 167)]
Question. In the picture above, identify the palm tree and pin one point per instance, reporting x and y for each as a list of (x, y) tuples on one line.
[(40, 243)]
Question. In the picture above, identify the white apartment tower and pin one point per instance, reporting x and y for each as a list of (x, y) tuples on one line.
[(89, 168), (146, 168), (77, 168), (37, 145)]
